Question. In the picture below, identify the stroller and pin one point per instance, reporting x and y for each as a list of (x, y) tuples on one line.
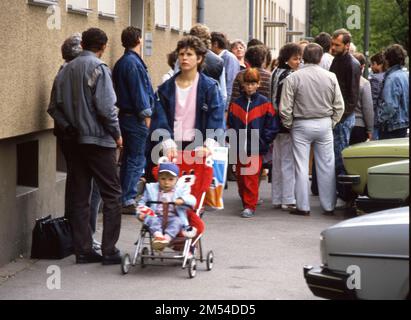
[(188, 250)]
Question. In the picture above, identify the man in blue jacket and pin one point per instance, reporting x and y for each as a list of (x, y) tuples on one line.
[(135, 99), (393, 110)]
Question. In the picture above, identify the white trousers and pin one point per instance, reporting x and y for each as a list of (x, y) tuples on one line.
[(319, 133), (283, 171)]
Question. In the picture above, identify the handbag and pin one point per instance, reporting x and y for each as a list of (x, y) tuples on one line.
[(51, 238)]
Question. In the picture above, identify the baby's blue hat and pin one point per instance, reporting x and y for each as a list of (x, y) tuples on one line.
[(169, 167)]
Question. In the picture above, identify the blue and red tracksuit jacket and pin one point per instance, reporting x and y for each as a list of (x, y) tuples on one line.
[(255, 112)]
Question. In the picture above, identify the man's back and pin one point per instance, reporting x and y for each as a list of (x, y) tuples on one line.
[(314, 87), (88, 99)]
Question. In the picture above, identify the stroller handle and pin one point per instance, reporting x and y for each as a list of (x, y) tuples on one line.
[(169, 203)]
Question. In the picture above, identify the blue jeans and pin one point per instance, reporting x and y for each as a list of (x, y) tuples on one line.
[(342, 134), (134, 133), (173, 227), (400, 133)]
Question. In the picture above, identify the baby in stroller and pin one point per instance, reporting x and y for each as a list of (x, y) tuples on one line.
[(163, 207)]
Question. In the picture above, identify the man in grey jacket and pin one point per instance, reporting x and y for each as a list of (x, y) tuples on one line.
[(86, 97), (311, 106), (364, 111)]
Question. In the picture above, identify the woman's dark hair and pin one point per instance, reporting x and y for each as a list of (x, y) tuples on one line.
[(286, 52), (274, 64), (93, 39), (171, 59), (256, 55), (130, 37), (377, 58), (324, 40), (313, 53), (268, 58), (220, 39), (194, 43), (394, 55), (254, 42), (360, 57)]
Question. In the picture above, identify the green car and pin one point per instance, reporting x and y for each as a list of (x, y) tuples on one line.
[(377, 173)]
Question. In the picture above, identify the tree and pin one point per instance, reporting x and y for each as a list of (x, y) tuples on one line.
[(388, 24)]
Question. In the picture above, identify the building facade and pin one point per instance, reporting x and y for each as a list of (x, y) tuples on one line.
[(275, 22), (32, 169)]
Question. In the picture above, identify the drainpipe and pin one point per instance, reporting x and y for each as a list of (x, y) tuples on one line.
[(367, 37), (251, 20), (308, 18), (291, 24), (200, 11)]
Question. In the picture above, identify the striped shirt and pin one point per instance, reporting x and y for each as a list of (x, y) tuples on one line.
[(264, 89)]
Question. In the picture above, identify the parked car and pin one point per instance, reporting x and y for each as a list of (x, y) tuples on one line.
[(364, 258), (366, 177), (387, 187)]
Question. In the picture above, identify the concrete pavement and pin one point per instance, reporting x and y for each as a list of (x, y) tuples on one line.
[(259, 258)]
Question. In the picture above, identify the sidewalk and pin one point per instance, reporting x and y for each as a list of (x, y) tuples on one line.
[(259, 258)]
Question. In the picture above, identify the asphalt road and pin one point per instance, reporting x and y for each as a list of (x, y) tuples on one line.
[(260, 258)]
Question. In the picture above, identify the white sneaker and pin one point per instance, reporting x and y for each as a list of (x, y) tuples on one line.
[(288, 207), (190, 232), (96, 245)]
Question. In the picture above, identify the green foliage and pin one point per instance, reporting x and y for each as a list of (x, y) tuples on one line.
[(388, 21)]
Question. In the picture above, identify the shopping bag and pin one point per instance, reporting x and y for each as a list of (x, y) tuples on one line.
[(214, 195), (51, 239)]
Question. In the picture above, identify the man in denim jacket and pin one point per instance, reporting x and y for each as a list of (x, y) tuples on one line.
[(394, 103), (135, 99)]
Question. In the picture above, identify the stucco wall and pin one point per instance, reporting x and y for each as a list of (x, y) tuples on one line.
[(31, 57), (164, 41), (229, 16), (21, 206)]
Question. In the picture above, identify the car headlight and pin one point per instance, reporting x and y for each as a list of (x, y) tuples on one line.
[(323, 251)]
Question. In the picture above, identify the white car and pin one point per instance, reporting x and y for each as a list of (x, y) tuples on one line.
[(364, 258)]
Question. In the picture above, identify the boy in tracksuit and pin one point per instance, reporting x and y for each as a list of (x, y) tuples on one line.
[(256, 123)]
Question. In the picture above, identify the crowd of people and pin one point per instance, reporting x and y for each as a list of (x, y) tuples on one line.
[(311, 97)]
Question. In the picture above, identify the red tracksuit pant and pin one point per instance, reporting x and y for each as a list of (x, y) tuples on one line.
[(248, 177)]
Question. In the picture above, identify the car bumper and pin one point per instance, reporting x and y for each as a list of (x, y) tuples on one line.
[(368, 205), (349, 179), (328, 284)]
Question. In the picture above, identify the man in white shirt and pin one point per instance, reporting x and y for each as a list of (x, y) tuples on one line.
[(324, 40)]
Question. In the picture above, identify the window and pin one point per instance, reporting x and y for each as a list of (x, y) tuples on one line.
[(78, 6), (107, 9), (187, 15), (43, 3), (160, 13), (175, 14), (28, 164)]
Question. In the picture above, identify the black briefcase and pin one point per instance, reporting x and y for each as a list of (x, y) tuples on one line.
[(51, 239)]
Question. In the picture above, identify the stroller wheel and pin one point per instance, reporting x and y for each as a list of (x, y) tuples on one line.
[(192, 268), (144, 252), (210, 260), (125, 263)]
